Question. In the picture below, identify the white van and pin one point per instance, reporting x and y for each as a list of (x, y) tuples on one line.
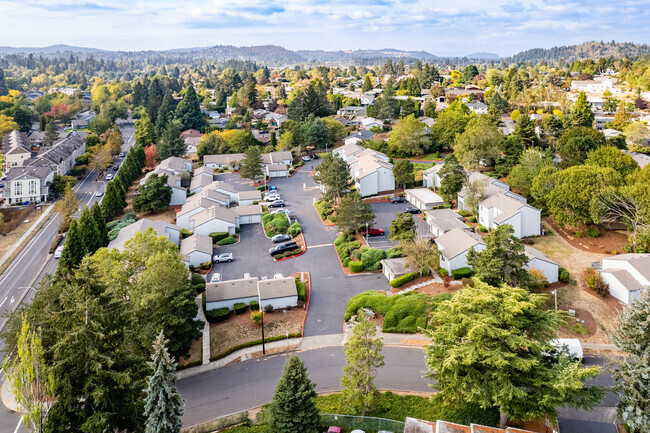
[(57, 252), (573, 346)]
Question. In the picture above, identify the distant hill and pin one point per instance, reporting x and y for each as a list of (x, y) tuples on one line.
[(587, 50), (486, 56), (52, 49), (269, 54), (344, 56)]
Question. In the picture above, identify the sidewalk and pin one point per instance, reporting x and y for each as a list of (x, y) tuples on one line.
[(27, 234)]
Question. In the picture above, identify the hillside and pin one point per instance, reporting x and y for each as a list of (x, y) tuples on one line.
[(52, 49), (587, 50), (348, 56)]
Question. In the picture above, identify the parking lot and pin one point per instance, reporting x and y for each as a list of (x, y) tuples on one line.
[(384, 215)]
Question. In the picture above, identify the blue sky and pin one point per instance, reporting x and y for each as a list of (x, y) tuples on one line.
[(443, 28)]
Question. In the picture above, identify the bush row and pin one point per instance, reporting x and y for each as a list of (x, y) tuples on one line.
[(227, 241), (288, 254), (217, 236), (406, 278), (461, 273), (252, 343)]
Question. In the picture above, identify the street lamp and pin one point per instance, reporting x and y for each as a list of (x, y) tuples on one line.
[(263, 345), (367, 234), (555, 293)]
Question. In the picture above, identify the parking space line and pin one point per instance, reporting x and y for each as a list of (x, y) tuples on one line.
[(321, 245)]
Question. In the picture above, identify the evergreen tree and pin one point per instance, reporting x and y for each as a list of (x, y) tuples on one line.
[(293, 409), (363, 356), (89, 231), (251, 164), (144, 133), (429, 109), (100, 221), (189, 111), (317, 134), (171, 144), (154, 194), (3, 85), (503, 259), (581, 114), (402, 228), (140, 94), (511, 148), (353, 214), (113, 202), (73, 252), (632, 372), (507, 364), (165, 113), (163, 405), (452, 177), (274, 140), (403, 171), (367, 85), (621, 118), (525, 130), (334, 174), (155, 99), (51, 132)]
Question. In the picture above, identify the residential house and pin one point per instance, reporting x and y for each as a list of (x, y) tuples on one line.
[(170, 231), (276, 170), (36, 138), (278, 293), (370, 122), (229, 160), (203, 176), (491, 187), (371, 172), (600, 122), (196, 249), (192, 139), (175, 165), (179, 193), (28, 184), (347, 151), (423, 198), (431, 176), (247, 214), (208, 197), (442, 221), (627, 275), (510, 208), (226, 188), (541, 262), (352, 111), (641, 158), (454, 246), (358, 136), (61, 156), (81, 120), (246, 198), (283, 157), (16, 150), (212, 220), (595, 86), (394, 268), (477, 107)]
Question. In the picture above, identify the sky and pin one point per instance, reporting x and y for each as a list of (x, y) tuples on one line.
[(443, 28)]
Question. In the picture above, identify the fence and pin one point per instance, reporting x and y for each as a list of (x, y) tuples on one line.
[(365, 423), (14, 216), (219, 423)]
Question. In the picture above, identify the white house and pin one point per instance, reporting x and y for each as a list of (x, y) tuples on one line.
[(442, 221), (247, 214), (372, 175), (510, 208), (81, 120), (201, 180), (201, 201), (394, 268), (347, 151), (229, 160), (246, 198), (283, 157), (358, 136), (175, 165), (225, 188), (490, 187), (28, 184), (61, 156), (212, 220), (454, 246), (196, 249), (179, 193), (170, 231), (370, 122), (540, 261), (431, 176), (276, 170), (228, 293), (627, 275), (477, 107), (423, 198), (594, 86), (278, 293), (16, 150)]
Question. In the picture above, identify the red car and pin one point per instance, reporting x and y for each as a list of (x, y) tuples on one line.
[(334, 429), (373, 231)]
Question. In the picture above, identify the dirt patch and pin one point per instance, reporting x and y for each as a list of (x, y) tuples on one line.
[(240, 329), (609, 241), (11, 217), (196, 353), (439, 288)]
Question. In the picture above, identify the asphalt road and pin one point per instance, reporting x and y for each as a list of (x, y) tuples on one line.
[(23, 277)]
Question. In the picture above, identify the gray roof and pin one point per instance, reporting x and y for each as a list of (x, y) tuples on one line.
[(127, 232), (445, 223), (534, 253), (397, 265), (277, 288), (630, 283), (204, 169), (223, 159), (362, 135), (200, 181), (457, 241), (639, 261), (276, 157), (252, 209), (232, 289), (277, 167), (250, 195), (212, 213), (196, 242), (15, 140), (506, 204), (173, 163), (434, 169), (425, 195), (62, 150), (224, 186), (349, 149)]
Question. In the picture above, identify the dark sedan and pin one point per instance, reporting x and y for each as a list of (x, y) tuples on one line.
[(412, 210), (398, 199)]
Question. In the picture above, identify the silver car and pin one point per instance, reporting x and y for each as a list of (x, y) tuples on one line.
[(224, 257)]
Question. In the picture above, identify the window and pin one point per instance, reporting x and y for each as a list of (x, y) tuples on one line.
[(18, 188), (32, 187)]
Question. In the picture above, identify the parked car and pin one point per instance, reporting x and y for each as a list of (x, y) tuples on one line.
[(273, 188), (277, 203), (280, 238), (398, 199), (272, 197), (315, 156), (109, 176), (306, 158), (57, 252), (373, 231), (412, 210), (121, 154), (99, 194), (116, 167), (215, 278), (334, 429), (281, 248), (223, 257), (277, 276), (2, 185), (287, 211)]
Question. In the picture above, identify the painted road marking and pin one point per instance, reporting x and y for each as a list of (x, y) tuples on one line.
[(321, 245)]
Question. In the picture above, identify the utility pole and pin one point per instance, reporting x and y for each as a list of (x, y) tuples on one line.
[(263, 345)]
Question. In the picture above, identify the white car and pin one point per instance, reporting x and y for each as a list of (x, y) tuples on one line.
[(272, 197), (287, 211), (306, 158), (57, 252), (277, 276), (99, 194), (109, 176), (215, 278), (224, 257)]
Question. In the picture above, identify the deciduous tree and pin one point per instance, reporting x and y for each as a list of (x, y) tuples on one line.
[(609, 156), (152, 157), (420, 255), (67, 206), (407, 137), (353, 214), (479, 143), (403, 172)]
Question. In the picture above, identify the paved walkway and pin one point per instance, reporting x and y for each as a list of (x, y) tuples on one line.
[(19, 244), (206, 331)]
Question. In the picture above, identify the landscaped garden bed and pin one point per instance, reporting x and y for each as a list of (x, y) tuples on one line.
[(356, 258), (326, 212)]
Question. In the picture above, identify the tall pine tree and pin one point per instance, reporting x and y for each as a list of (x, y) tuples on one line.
[(171, 144), (189, 111), (73, 252), (113, 202), (100, 220), (165, 113), (163, 405), (293, 409), (3, 85), (89, 231)]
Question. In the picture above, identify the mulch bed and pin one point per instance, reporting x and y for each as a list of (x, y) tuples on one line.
[(608, 241)]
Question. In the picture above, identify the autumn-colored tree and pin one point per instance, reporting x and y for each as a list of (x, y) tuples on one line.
[(152, 157), (7, 124), (59, 112), (101, 158), (115, 141)]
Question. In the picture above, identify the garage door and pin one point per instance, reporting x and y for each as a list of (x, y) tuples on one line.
[(246, 219)]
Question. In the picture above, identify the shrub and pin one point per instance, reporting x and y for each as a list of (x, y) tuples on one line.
[(340, 239), (421, 322), (472, 219), (332, 218), (390, 322), (197, 279), (294, 229), (580, 234), (345, 262), (256, 316), (371, 259), (594, 281), (218, 315), (468, 282), (464, 213), (394, 252), (199, 288), (461, 273), (407, 325), (356, 266), (481, 228), (406, 278), (564, 275), (227, 241), (254, 305), (261, 188), (268, 308), (217, 236), (593, 232), (442, 272), (185, 233), (77, 170), (300, 286), (239, 307), (205, 265), (536, 280), (579, 328)]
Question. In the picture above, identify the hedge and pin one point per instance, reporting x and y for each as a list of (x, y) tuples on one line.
[(564, 275), (185, 233), (218, 315), (239, 307), (254, 305), (217, 236), (442, 272), (300, 286), (406, 278), (295, 229), (464, 213), (199, 288), (252, 343), (394, 252), (197, 279), (355, 266), (371, 259), (205, 265), (345, 262), (340, 239), (227, 241), (461, 273)]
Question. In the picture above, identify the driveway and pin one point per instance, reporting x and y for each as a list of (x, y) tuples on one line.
[(331, 288), (385, 213)]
